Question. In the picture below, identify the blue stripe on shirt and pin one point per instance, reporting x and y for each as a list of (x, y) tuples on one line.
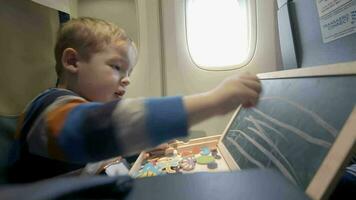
[(166, 118), (34, 110), (101, 140), (351, 169), (72, 138)]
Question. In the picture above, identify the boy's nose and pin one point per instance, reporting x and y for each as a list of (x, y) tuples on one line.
[(125, 81)]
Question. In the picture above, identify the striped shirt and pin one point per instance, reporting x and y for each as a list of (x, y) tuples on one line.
[(61, 131), (351, 169)]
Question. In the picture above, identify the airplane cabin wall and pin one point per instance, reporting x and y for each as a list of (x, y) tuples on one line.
[(120, 12)]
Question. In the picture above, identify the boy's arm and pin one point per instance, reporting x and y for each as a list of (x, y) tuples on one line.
[(75, 130), (226, 97)]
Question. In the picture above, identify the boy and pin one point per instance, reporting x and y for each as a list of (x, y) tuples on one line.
[(85, 119)]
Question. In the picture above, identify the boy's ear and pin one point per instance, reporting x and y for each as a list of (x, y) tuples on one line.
[(69, 60)]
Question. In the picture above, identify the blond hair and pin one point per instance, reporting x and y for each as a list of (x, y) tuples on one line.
[(87, 36)]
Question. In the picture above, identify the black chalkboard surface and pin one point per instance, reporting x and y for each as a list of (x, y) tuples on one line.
[(294, 125)]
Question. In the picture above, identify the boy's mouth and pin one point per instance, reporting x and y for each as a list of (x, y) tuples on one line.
[(120, 94)]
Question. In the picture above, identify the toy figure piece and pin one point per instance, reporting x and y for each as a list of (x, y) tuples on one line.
[(186, 153), (175, 152), (196, 150), (204, 151), (165, 164), (147, 174), (212, 165), (163, 159), (217, 157), (153, 160), (188, 164), (175, 162), (148, 170), (170, 161), (203, 160), (169, 170), (149, 166), (214, 150), (169, 151), (165, 167), (146, 156), (214, 153)]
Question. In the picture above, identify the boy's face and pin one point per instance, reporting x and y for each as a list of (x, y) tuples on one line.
[(105, 76)]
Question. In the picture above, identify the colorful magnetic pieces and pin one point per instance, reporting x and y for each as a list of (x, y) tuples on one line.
[(214, 153), (203, 160), (186, 153), (188, 164), (148, 170), (166, 164), (169, 170), (212, 165), (177, 162), (195, 150), (146, 174), (204, 151)]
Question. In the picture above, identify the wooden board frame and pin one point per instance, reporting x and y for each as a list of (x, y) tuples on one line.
[(333, 164), (331, 169), (335, 161)]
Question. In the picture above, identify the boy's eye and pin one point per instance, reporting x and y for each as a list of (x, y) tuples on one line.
[(116, 67)]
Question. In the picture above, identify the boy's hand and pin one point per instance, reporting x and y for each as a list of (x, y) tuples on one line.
[(229, 94), (236, 90)]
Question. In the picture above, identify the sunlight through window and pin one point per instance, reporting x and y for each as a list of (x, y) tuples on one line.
[(217, 33)]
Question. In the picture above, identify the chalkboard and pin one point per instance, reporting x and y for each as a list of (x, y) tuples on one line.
[(294, 124)]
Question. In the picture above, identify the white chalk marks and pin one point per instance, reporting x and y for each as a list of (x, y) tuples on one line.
[(260, 141)]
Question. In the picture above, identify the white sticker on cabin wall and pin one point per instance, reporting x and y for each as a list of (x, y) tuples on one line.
[(337, 18), (326, 6)]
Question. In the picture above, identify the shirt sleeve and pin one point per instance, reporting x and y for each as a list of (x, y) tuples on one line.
[(74, 130)]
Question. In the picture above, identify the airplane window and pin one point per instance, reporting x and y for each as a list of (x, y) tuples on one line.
[(218, 33)]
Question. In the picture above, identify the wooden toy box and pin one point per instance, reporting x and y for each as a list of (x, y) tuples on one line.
[(181, 151)]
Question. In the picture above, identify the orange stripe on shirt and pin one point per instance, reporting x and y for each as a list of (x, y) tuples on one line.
[(19, 126), (55, 119)]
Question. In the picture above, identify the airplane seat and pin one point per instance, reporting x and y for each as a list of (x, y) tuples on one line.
[(7, 131)]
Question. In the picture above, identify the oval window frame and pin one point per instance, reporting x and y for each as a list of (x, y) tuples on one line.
[(252, 34)]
